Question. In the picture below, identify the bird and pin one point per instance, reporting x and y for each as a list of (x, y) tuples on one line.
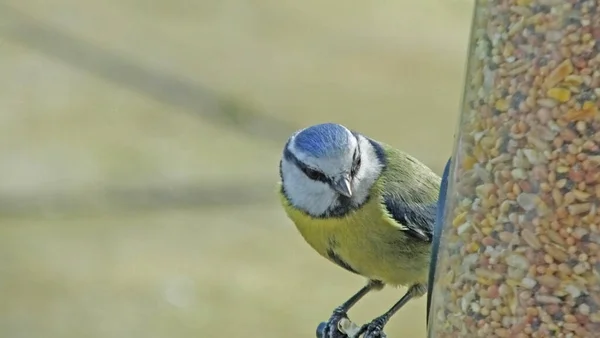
[(365, 206)]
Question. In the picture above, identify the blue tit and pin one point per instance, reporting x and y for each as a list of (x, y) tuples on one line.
[(363, 205)]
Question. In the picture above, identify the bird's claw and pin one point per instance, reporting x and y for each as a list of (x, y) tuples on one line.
[(374, 329), (332, 328)]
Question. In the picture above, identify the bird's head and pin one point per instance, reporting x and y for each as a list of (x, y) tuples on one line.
[(327, 170)]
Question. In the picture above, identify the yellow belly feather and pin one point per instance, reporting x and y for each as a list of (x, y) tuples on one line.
[(368, 241)]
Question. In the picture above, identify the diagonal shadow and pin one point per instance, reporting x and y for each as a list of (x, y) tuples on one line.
[(123, 200), (166, 88)]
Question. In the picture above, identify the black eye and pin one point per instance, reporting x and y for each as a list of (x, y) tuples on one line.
[(356, 166), (313, 174)]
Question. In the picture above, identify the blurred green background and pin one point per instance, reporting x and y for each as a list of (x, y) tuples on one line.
[(139, 148)]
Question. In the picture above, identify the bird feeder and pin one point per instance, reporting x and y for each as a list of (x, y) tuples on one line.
[(520, 246)]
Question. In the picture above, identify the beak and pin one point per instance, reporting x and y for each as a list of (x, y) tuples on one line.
[(342, 186)]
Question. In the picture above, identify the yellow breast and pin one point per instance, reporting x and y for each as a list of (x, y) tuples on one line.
[(367, 242)]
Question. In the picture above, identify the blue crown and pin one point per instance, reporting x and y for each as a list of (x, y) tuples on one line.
[(323, 140)]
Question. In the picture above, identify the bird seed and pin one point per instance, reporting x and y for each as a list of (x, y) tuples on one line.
[(520, 254)]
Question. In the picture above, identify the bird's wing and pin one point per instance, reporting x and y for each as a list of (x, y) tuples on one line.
[(416, 219), (409, 192)]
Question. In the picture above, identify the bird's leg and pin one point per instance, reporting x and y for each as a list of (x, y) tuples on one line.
[(330, 329), (374, 329)]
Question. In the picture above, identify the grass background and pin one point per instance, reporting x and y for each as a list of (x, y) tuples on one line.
[(139, 148)]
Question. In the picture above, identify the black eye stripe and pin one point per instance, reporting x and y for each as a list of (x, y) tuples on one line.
[(356, 163), (315, 175), (309, 172)]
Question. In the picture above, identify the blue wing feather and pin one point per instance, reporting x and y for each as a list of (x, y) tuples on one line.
[(418, 219)]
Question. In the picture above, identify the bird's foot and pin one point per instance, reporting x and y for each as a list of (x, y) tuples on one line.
[(332, 328), (374, 329)]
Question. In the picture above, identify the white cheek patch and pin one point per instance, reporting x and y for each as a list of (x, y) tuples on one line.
[(312, 196), (368, 173)]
